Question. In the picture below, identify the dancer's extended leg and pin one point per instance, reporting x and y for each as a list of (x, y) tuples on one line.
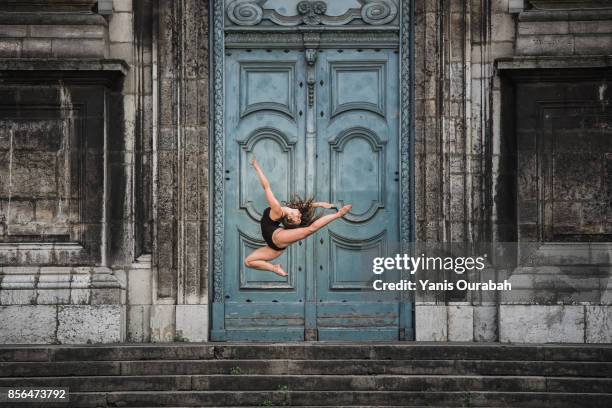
[(259, 259), (286, 237)]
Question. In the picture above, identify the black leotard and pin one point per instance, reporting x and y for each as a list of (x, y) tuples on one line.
[(268, 226)]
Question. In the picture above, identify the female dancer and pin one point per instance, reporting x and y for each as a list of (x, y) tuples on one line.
[(299, 221)]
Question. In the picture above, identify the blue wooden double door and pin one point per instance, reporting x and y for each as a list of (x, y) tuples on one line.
[(321, 123)]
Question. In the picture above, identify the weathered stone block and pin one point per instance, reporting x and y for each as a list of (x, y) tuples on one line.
[(192, 322), (503, 27), (67, 31), (18, 297), (53, 286), (139, 286), (27, 324), (120, 28), (10, 48), (431, 323), (124, 51), (90, 324), (36, 48), (593, 44), (545, 45), (80, 294), (460, 323), (591, 27), (13, 31), (485, 323), (598, 324), (93, 48), (543, 27), (106, 296), (122, 5), (53, 296), (34, 172), (138, 323), (501, 49), (541, 324), (162, 323)]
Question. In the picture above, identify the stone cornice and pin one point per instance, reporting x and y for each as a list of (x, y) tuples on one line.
[(51, 18), (555, 62), (79, 70), (569, 4), (48, 5)]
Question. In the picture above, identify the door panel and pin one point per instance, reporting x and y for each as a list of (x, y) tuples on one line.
[(357, 164), (262, 91)]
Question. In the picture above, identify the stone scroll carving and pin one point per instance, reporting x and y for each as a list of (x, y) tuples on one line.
[(311, 13)]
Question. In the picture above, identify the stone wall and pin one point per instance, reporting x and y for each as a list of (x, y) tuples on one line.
[(180, 246), (67, 146), (473, 183)]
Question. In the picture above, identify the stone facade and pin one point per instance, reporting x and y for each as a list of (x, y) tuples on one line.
[(105, 170)]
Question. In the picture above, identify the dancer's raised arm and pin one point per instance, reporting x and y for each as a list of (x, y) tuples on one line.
[(276, 212)]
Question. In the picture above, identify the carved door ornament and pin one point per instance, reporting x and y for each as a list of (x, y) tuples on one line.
[(311, 58), (311, 13)]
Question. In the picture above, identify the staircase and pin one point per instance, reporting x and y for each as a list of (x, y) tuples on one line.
[(315, 374)]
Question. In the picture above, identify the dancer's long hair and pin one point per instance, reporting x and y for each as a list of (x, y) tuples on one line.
[(304, 205)]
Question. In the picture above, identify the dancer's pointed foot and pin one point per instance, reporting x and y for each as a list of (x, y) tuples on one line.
[(278, 269)]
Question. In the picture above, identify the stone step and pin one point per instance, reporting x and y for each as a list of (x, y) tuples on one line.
[(314, 383), (316, 374), (309, 367), (334, 398), (310, 351)]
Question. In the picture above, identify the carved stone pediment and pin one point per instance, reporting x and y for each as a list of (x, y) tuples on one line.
[(47, 5), (291, 13), (569, 4)]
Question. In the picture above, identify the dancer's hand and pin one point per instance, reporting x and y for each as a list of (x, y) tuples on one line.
[(344, 210), (254, 161)]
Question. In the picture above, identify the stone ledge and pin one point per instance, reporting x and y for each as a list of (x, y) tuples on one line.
[(41, 253), (18, 18), (83, 71), (48, 5), (565, 15), (32, 285), (83, 65), (554, 62)]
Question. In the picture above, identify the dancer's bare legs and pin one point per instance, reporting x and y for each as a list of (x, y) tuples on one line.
[(285, 237), (259, 259)]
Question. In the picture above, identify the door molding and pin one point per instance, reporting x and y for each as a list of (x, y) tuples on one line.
[(282, 36)]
